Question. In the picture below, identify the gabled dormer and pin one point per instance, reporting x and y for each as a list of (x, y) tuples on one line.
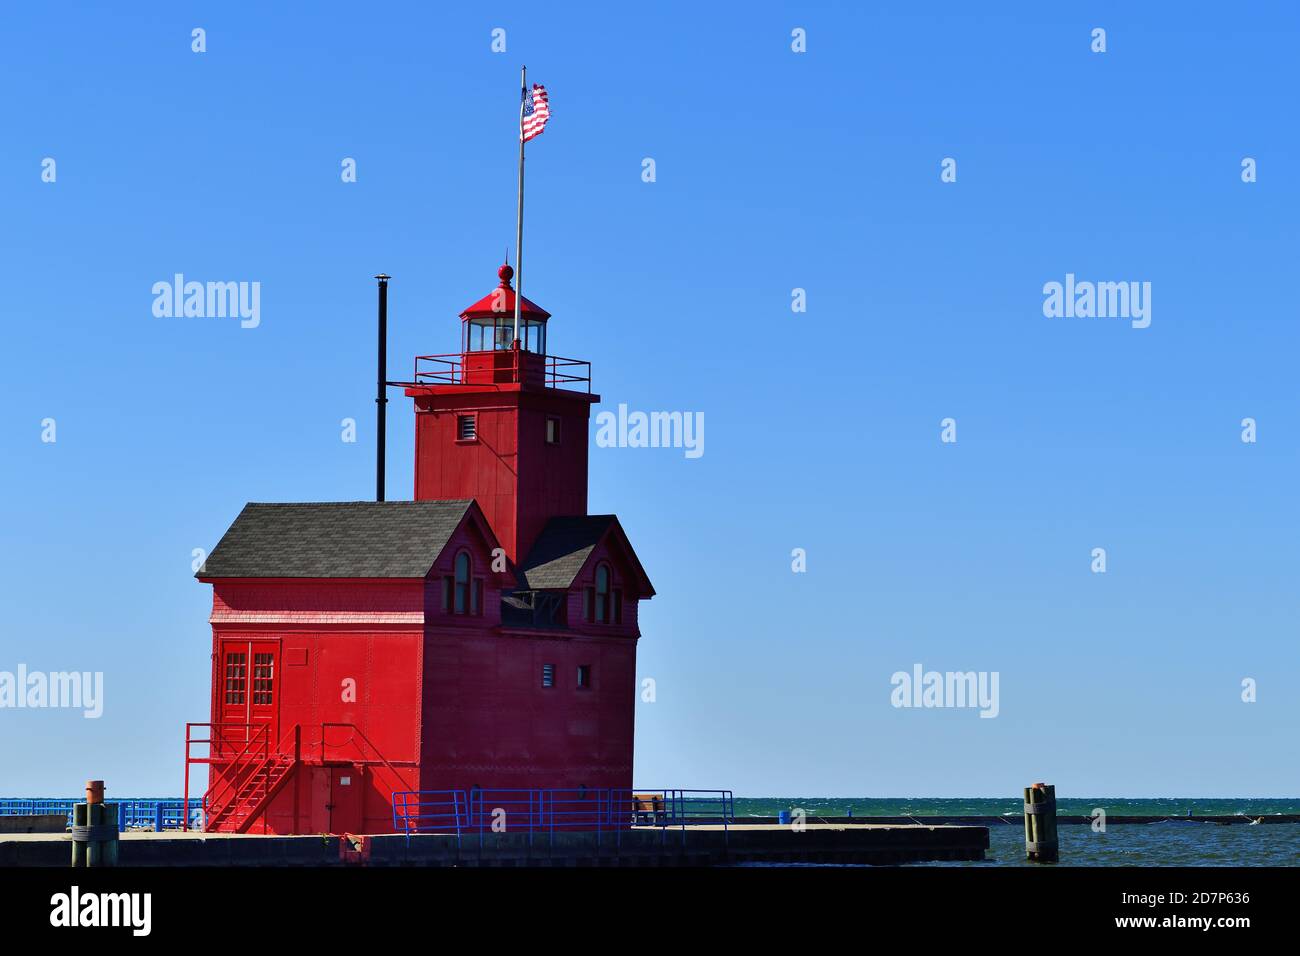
[(466, 582), (582, 575)]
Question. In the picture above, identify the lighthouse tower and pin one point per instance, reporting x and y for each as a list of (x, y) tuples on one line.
[(478, 641), (503, 422)]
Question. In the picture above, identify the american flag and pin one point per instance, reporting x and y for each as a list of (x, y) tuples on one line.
[(537, 111)]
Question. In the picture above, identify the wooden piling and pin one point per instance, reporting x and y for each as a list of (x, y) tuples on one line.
[(95, 817), (78, 846), (110, 819), (1041, 844)]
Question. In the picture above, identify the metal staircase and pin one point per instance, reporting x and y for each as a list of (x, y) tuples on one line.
[(252, 772), (250, 798)]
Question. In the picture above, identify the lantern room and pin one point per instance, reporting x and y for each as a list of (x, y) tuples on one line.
[(489, 324)]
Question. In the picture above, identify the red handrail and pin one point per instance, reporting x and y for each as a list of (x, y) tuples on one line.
[(257, 754), (237, 778), (401, 784), (450, 369), (260, 734)]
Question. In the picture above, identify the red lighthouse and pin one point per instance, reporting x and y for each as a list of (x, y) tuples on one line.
[(481, 637)]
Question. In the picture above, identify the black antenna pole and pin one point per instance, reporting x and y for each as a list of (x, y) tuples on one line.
[(381, 388)]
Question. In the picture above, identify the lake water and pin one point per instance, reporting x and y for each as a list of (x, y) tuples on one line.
[(1178, 843)]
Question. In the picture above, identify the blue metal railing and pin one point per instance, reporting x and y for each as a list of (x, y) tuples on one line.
[(539, 811), (133, 813), (559, 810), (456, 811), (429, 811), (675, 808)]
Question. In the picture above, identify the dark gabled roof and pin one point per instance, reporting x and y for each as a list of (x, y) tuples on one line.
[(563, 547), (561, 550), (345, 539)]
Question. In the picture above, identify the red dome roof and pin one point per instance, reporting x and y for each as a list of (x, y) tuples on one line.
[(501, 301)]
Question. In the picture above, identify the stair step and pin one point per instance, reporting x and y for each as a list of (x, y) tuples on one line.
[(250, 794)]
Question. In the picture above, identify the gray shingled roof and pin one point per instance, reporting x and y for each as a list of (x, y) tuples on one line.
[(345, 539), (561, 550)]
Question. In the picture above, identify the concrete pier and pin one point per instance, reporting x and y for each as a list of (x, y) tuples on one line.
[(33, 823), (642, 846), (1223, 819)]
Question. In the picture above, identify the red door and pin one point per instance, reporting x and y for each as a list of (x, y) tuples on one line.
[(321, 804), (249, 691), (336, 799), (346, 815)]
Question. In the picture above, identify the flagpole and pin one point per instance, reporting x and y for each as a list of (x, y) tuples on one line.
[(519, 222)]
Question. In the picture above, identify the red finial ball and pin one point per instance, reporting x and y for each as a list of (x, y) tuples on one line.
[(506, 274)]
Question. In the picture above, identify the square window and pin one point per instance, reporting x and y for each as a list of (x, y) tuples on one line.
[(584, 677), (467, 428), (548, 675), (552, 431)]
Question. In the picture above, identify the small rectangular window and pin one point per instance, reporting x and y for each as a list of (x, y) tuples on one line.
[(263, 678), (584, 677), (552, 431), (466, 428), (236, 665), (548, 675)]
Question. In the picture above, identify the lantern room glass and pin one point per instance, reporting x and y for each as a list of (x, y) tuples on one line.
[(495, 333)]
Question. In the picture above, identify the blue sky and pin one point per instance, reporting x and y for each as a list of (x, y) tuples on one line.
[(775, 170)]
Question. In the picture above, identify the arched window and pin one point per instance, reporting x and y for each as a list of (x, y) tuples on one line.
[(603, 604), (462, 583)]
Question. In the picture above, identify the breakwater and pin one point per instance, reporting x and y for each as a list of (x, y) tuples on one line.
[(675, 846)]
